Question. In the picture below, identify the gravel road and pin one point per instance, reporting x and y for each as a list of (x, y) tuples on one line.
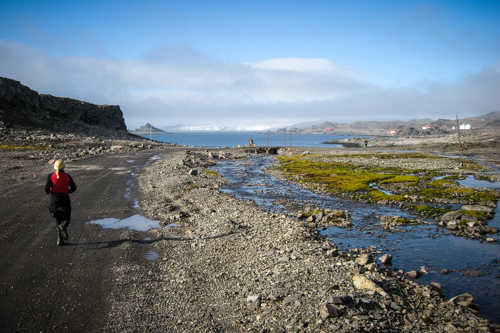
[(63, 289)]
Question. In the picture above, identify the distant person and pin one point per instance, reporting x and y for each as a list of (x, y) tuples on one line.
[(59, 184)]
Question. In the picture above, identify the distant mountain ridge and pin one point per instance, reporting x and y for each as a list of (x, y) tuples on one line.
[(489, 121)]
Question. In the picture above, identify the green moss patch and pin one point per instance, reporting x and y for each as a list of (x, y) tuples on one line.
[(348, 174)]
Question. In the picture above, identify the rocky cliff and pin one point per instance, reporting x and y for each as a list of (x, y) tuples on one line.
[(23, 108)]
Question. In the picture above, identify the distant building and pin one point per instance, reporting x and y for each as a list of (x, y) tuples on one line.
[(427, 127), (465, 127), (393, 132), (328, 129)]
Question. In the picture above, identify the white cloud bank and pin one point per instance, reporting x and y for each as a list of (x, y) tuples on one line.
[(178, 85)]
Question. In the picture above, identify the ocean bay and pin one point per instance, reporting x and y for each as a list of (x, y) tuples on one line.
[(218, 139)]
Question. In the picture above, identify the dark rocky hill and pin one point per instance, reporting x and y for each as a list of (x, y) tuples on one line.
[(23, 108), (148, 128)]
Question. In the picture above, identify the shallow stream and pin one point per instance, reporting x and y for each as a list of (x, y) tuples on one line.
[(412, 247)]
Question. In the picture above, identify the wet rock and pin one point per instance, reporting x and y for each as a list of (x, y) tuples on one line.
[(492, 230), (386, 259), (464, 300), (413, 274), (473, 273), (436, 287), (453, 215), (424, 270)]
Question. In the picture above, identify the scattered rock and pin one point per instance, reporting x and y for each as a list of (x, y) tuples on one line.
[(413, 274), (386, 259), (464, 300)]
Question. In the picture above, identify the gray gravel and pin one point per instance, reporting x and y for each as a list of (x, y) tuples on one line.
[(226, 265)]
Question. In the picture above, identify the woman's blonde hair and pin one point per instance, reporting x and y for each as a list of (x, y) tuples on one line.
[(58, 166)]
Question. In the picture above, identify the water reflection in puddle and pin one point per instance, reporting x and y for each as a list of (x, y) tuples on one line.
[(412, 248), (151, 255), (470, 181), (135, 222)]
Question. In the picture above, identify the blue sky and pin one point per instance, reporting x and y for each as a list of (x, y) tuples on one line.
[(259, 63)]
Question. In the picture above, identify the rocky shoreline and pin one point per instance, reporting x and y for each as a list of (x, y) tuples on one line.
[(228, 266)]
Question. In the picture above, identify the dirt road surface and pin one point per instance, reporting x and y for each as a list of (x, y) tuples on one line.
[(64, 289)]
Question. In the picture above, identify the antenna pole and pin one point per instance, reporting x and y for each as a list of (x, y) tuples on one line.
[(458, 131)]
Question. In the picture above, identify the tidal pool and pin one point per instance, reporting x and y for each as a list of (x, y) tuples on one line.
[(412, 246)]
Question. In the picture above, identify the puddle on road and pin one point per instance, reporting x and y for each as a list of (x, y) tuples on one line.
[(135, 222), (412, 247), (151, 255), (172, 225)]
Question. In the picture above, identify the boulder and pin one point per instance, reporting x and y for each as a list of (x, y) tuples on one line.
[(319, 216), (478, 208), (473, 273), (413, 274), (463, 300), (491, 230), (436, 287), (385, 259), (424, 270), (362, 282), (454, 215), (332, 253), (471, 218), (364, 259)]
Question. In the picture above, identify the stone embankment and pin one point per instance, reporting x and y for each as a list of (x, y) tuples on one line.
[(226, 265)]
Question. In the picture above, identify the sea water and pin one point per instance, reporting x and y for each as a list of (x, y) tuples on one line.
[(218, 139)]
